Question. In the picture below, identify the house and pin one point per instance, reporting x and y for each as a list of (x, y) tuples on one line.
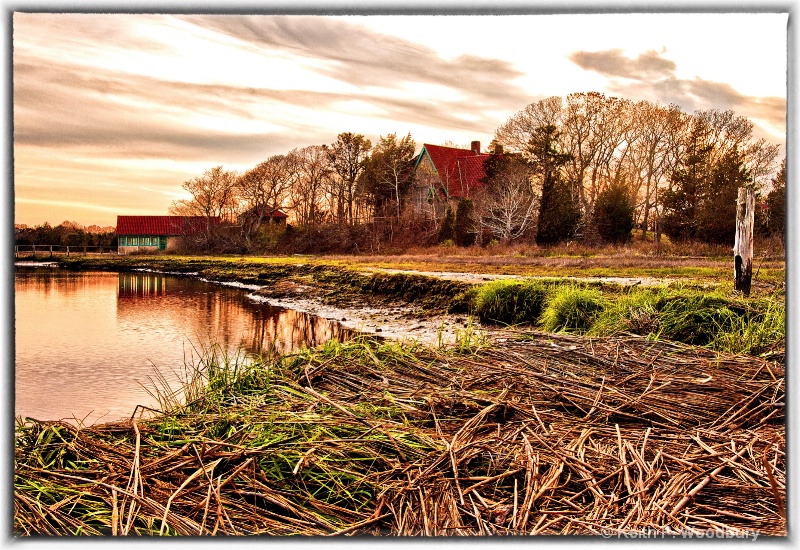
[(267, 214), (445, 175), (153, 233)]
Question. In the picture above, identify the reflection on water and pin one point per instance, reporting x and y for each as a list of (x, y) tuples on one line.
[(86, 341)]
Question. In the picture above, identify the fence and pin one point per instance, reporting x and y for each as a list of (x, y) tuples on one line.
[(23, 250)]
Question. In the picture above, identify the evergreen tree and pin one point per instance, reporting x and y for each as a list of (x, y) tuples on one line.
[(558, 211), (688, 183), (388, 172), (716, 213), (613, 213), (447, 231), (558, 214), (776, 204), (463, 233)]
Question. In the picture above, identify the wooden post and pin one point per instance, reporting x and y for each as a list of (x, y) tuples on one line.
[(743, 245)]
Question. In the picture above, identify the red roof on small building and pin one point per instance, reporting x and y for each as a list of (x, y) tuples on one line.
[(267, 212), (459, 169), (162, 225)]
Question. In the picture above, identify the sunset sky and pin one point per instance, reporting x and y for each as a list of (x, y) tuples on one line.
[(112, 113)]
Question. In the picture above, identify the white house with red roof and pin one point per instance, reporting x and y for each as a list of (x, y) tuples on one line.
[(445, 175), (154, 233)]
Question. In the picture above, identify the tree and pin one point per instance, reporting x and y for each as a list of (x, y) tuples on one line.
[(388, 172), (558, 213), (776, 204), (464, 226), (447, 231), (507, 203), (314, 173), (654, 157), (716, 216), (558, 210), (263, 188), (701, 201), (613, 213), (687, 185), (214, 194), (347, 156), (516, 133)]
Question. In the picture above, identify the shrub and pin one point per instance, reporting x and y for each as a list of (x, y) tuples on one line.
[(447, 231), (463, 232), (510, 302), (613, 214), (572, 309)]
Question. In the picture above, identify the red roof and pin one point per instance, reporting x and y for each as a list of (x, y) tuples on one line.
[(459, 169), (162, 225), (267, 212)]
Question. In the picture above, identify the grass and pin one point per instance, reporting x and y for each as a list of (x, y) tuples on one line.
[(616, 263), (572, 309), (369, 437), (695, 303), (509, 302)]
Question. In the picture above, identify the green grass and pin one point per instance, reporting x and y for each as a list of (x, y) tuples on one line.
[(510, 302), (572, 309), (695, 305)]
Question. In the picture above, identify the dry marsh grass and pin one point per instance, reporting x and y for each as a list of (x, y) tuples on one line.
[(534, 434)]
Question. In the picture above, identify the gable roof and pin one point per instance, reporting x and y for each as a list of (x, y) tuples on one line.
[(459, 169), (266, 211), (162, 225)]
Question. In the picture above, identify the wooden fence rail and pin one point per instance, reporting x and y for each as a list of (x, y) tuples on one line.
[(22, 250)]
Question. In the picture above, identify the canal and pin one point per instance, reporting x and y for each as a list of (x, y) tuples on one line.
[(88, 344)]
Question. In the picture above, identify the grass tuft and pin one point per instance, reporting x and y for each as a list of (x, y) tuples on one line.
[(510, 302), (572, 309)]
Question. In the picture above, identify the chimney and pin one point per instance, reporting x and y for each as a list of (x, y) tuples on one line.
[(476, 147)]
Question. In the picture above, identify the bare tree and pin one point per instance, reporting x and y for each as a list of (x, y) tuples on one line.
[(518, 130), (214, 195), (346, 156), (314, 173), (507, 205), (263, 188)]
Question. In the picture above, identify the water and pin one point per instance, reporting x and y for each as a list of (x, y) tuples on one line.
[(86, 342)]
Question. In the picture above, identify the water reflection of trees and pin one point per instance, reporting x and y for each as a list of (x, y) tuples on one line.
[(219, 315), (46, 279)]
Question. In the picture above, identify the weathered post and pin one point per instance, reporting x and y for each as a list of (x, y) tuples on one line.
[(743, 245)]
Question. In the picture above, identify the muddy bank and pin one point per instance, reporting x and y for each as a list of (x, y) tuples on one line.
[(401, 306), (436, 306)]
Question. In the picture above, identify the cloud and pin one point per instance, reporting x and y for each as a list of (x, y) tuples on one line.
[(121, 114), (347, 51), (612, 63), (652, 77)]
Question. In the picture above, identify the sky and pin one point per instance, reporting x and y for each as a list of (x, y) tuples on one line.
[(113, 112)]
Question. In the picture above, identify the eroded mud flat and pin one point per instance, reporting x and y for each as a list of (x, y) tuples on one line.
[(397, 322)]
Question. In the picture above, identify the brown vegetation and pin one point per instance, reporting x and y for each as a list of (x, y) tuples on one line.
[(539, 434)]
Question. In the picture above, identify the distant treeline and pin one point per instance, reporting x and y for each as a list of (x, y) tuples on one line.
[(586, 167), (66, 234)]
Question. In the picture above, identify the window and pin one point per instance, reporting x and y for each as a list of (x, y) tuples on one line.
[(121, 241), (145, 241), (133, 241)]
